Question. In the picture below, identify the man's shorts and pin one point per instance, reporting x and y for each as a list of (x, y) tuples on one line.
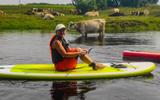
[(66, 64)]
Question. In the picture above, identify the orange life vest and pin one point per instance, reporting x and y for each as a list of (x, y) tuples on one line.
[(61, 63)]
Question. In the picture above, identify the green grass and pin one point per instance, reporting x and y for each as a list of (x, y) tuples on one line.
[(15, 19)]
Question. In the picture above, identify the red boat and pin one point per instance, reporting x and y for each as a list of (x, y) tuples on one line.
[(141, 55)]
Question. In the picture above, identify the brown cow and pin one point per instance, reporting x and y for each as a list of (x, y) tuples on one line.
[(89, 26)]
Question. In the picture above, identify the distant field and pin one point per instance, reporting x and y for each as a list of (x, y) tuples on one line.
[(12, 9), (15, 19)]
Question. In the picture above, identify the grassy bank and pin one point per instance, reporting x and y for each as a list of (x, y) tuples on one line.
[(15, 19)]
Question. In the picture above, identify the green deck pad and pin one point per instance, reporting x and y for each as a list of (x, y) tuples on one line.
[(49, 69)]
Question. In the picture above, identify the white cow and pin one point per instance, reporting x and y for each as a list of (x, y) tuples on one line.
[(92, 13), (89, 26), (116, 10), (48, 17), (2, 12)]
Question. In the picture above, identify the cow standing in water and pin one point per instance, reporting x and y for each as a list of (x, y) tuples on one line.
[(89, 26)]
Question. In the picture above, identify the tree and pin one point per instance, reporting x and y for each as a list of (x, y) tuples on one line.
[(83, 6), (136, 3), (102, 4)]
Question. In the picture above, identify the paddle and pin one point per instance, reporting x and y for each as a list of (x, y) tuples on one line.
[(89, 50)]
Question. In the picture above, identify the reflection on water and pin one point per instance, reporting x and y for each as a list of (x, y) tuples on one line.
[(112, 40), (63, 90)]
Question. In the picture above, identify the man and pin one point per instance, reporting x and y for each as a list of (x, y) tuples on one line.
[(64, 57)]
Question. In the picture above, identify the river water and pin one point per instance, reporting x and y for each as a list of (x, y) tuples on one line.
[(32, 47)]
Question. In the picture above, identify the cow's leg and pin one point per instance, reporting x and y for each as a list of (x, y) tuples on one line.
[(85, 35), (82, 34), (101, 32), (101, 36)]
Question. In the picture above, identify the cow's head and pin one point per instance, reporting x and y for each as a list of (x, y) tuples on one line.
[(71, 25)]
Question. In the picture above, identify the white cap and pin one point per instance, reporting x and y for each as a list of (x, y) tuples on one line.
[(60, 26)]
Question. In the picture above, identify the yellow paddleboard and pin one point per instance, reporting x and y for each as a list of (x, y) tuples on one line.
[(83, 71)]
